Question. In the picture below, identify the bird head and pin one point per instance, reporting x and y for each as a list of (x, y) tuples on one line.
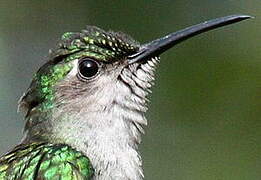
[(94, 74)]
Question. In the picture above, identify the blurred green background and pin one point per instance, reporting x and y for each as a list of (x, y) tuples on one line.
[(204, 117)]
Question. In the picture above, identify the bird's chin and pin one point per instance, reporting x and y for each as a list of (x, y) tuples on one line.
[(149, 64), (139, 76), (147, 67)]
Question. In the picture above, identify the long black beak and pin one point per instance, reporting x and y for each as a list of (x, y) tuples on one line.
[(158, 46)]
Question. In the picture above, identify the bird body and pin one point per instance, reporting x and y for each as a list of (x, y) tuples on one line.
[(85, 107)]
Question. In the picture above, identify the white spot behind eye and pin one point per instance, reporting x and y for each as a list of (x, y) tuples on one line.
[(74, 70)]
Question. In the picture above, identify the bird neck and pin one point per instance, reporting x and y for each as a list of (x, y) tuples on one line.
[(108, 136), (111, 146)]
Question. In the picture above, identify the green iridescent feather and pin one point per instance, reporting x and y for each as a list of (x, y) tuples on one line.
[(46, 162), (47, 82)]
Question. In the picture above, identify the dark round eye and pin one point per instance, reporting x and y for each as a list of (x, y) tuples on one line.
[(88, 68)]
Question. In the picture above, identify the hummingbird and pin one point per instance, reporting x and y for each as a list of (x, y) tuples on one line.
[(85, 107)]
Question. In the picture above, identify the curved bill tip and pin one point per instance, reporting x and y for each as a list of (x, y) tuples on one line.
[(158, 46)]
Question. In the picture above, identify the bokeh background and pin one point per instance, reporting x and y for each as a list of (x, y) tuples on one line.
[(204, 117)]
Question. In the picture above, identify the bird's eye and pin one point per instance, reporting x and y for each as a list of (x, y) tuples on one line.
[(88, 68)]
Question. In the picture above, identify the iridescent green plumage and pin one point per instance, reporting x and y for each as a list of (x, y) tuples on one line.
[(45, 161), (46, 83)]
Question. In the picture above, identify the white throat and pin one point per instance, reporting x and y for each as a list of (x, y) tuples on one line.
[(109, 139)]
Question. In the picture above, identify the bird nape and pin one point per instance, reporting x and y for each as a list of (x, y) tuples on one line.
[(85, 106)]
